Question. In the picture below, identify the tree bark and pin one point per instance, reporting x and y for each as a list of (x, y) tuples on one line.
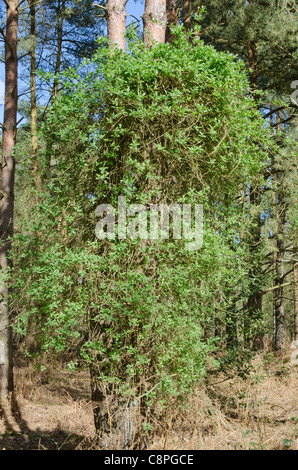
[(254, 302), (34, 141), (252, 61), (279, 313), (116, 18), (231, 327), (171, 19), (296, 300), (187, 11), (59, 46), (7, 190), (155, 22)]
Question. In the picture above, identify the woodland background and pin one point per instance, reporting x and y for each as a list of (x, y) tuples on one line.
[(192, 102)]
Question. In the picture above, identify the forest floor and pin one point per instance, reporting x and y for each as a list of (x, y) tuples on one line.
[(52, 411)]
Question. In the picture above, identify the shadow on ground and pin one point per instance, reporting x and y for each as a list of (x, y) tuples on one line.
[(27, 439)]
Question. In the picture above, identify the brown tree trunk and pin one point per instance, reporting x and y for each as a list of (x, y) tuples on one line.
[(30, 341), (59, 46), (231, 327), (171, 19), (296, 300), (279, 314), (187, 10), (155, 22), (252, 61), (100, 394), (7, 190), (34, 141), (254, 302), (275, 257), (116, 18)]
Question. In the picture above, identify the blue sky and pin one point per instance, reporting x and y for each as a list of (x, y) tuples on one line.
[(133, 7)]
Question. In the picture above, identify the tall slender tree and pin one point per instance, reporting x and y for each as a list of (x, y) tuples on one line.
[(60, 19), (33, 105), (172, 18), (116, 20), (7, 190), (155, 21), (296, 300)]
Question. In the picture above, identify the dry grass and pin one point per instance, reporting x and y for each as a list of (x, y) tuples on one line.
[(258, 413), (52, 410)]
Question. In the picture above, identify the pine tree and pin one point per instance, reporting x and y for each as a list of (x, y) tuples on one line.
[(7, 191)]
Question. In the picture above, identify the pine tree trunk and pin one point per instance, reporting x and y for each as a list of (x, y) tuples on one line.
[(59, 46), (30, 341), (7, 191), (171, 19), (100, 393), (154, 20), (255, 300), (116, 18), (231, 327), (34, 142), (296, 300), (187, 11), (279, 313), (252, 61), (115, 418)]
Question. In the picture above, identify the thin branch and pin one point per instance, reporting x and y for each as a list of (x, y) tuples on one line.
[(277, 287), (99, 6), (19, 121)]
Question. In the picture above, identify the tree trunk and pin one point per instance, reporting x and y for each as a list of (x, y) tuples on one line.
[(100, 393), (296, 300), (30, 341), (254, 302), (116, 419), (279, 314), (187, 11), (252, 61), (7, 190), (34, 141), (116, 18), (231, 327), (59, 46), (154, 20), (171, 19)]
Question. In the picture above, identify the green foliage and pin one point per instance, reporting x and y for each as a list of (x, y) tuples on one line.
[(269, 25), (170, 124)]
